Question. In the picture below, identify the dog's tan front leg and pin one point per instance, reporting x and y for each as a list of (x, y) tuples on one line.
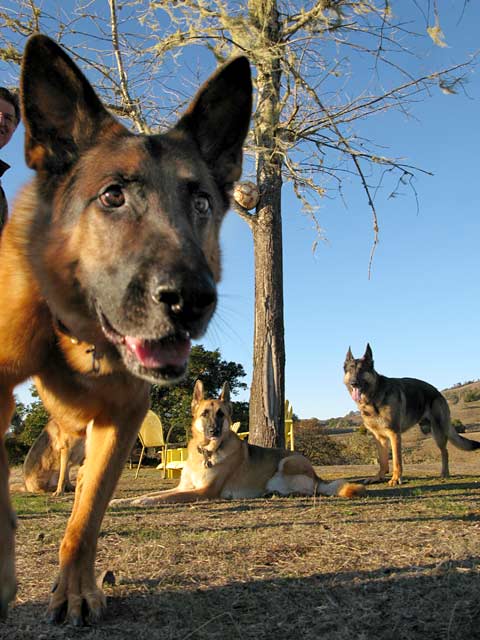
[(382, 449), (174, 496), (76, 593), (396, 443), (8, 585), (63, 473)]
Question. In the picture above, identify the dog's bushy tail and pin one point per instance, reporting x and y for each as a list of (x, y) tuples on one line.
[(465, 444), (442, 424), (341, 488)]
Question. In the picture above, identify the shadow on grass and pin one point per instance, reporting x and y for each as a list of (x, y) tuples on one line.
[(428, 602), (405, 491)]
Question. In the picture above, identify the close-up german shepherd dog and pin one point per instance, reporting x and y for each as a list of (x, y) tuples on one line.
[(108, 268), (390, 406), (221, 465)]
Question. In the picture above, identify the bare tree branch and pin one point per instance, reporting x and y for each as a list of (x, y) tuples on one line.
[(132, 108)]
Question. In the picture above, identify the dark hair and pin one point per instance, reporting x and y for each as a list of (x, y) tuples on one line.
[(12, 98)]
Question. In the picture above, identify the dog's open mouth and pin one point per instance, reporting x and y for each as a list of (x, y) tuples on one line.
[(356, 393), (164, 357), (169, 352)]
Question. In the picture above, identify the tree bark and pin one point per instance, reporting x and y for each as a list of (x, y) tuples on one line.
[(267, 395)]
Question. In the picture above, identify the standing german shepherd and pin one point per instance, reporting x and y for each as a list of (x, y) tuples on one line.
[(390, 406), (108, 267), (49, 459), (221, 465)]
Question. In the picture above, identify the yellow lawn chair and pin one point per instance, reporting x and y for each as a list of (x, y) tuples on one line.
[(174, 462), (235, 426), (151, 435), (289, 439)]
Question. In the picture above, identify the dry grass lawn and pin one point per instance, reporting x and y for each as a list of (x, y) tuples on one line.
[(400, 564)]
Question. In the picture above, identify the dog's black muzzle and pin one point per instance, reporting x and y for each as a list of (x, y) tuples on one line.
[(215, 430)]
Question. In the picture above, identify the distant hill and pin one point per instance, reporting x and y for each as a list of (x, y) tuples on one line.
[(464, 402), (463, 399)]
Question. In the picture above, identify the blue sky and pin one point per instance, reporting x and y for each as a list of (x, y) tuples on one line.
[(421, 307)]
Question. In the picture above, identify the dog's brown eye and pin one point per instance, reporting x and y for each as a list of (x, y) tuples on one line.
[(113, 196), (201, 203)]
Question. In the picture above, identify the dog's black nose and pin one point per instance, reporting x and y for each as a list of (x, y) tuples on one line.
[(190, 299), (170, 296)]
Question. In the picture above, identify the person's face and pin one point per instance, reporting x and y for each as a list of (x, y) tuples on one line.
[(8, 122)]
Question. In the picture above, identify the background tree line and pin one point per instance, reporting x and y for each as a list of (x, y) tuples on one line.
[(171, 404)]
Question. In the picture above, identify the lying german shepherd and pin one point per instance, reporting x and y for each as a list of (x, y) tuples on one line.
[(49, 459), (108, 268), (221, 465), (390, 406)]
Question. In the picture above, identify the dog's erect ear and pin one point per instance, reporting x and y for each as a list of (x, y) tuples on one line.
[(61, 111), (349, 355), (218, 119), (225, 397), (225, 393), (197, 395), (368, 355)]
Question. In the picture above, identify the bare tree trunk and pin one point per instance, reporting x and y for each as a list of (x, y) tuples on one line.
[(267, 396), (268, 382)]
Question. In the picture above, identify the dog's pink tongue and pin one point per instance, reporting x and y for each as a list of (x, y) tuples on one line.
[(356, 394), (157, 354)]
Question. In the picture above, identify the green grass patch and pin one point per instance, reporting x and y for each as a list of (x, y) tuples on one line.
[(30, 504), (402, 562)]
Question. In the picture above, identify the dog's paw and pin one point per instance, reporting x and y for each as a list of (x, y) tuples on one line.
[(394, 482), (129, 502), (121, 502), (143, 502), (75, 600)]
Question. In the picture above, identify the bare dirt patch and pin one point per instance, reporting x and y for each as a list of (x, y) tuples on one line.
[(401, 564)]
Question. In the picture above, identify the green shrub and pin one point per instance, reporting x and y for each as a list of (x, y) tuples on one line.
[(322, 449), (458, 425), (472, 395), (319, 448), (35, 420), (16, 450), (360, 448)]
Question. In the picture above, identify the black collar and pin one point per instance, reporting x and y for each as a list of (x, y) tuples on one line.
[(208, 454)]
